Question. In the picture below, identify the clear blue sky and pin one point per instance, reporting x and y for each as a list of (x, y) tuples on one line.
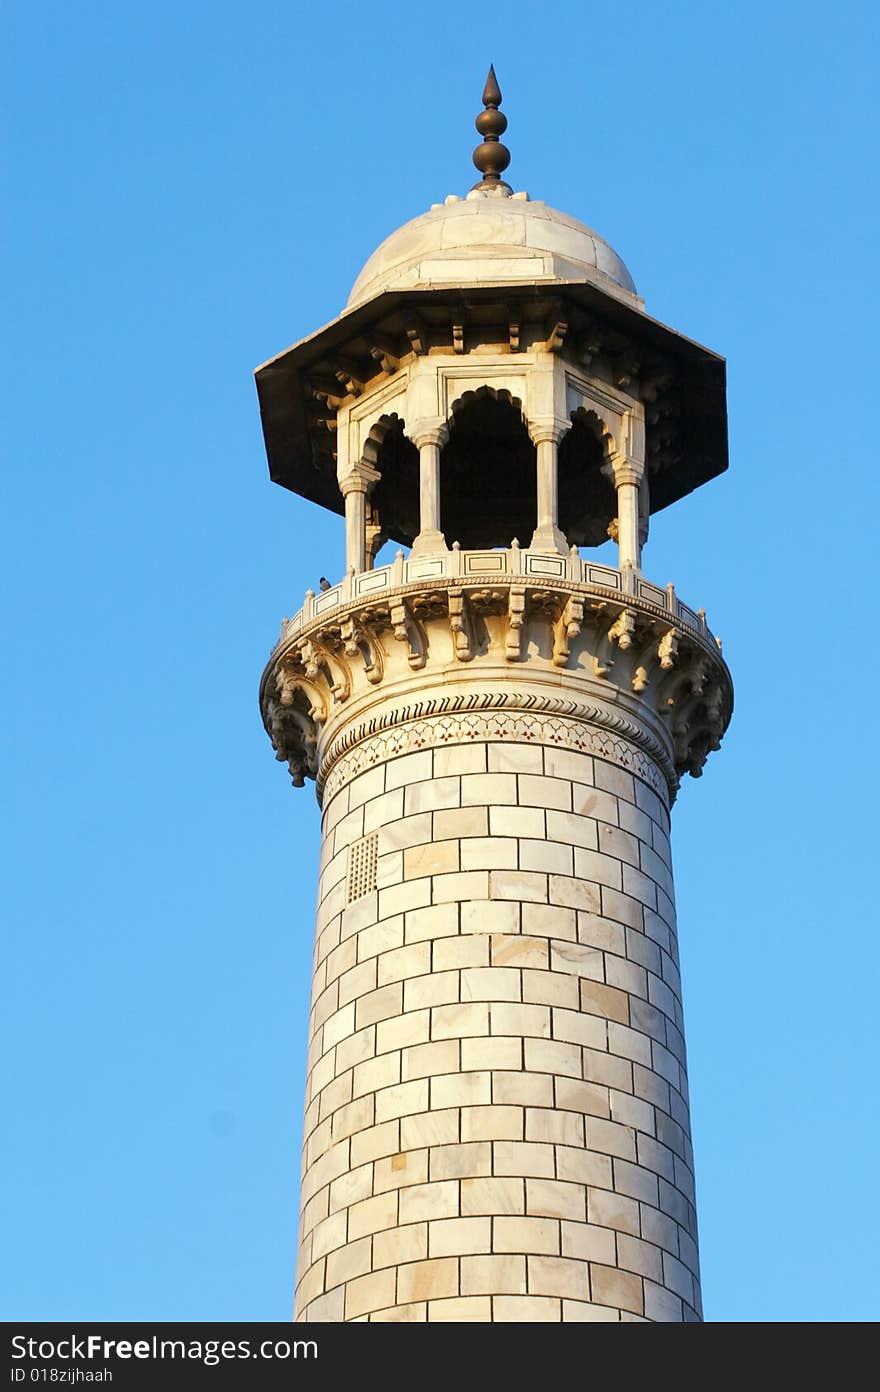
[(189, 189)]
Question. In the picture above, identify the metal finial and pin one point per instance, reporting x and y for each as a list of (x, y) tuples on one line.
[(492, 158)]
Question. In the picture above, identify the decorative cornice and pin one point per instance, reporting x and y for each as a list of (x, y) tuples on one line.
[(625, 664)]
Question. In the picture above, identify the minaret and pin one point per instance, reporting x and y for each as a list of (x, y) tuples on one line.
[(496, 721)]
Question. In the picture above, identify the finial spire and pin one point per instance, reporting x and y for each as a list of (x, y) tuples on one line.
[(492, 158)]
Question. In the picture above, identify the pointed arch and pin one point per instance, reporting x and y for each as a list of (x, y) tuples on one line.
[(587, 496), (487, 470), (394, 497)]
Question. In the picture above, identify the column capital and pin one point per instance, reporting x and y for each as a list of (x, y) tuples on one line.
[(430, 430), (547, 429), (627, 470), (360, 479)]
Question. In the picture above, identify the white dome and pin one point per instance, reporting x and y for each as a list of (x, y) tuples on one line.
[(490, 239)]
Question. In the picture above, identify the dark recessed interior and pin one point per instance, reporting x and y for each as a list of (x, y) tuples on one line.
[(487, 474), (396, 495), (587, 499)]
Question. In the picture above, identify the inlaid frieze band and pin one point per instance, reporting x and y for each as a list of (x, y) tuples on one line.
[(494, 716)]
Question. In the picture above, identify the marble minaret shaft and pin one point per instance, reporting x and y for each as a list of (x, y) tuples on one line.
[(496, 1122)]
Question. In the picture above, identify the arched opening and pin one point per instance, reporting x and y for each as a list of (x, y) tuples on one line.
[(587, 497), (394, 499), (487, 473)]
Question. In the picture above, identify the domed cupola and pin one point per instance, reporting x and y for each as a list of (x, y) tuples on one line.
[(494, 375)]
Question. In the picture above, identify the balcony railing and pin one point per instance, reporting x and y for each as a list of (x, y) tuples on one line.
[(485, 566)]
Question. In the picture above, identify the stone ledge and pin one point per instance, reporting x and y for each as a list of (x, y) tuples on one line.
[(629, 657)]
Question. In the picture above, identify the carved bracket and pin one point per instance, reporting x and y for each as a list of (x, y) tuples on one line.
[(408, 630), (460, 624), (623, 629), (638, 649), (320, 661), (294, 739), (289, 682), (516, 610), (667, 650), (567, 627), (359, 641)]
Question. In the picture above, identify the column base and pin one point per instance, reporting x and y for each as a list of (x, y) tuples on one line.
[(428, 543), (550, 539)]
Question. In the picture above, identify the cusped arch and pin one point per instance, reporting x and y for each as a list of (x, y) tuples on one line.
[(587, 495), (482, 393), (393, 506), (376, 435), (601, 425), (488, 481)]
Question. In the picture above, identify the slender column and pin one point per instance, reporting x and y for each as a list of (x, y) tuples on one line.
[(644, 509), (627, 479), (354, 488), (428, 441), (547, 535)]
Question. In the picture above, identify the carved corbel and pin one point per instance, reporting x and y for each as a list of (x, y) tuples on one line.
[(714, 703), (623, 629), (308, 655), (697, 753), (675, 696), (601, 667), (645, 660), (350, 376), (568, 626), (417, 334), (699, 674), (408, 630), (556, 336), (459, 623), (681, 745), (349, 636), (596, 614), (485, 602), (385, 350), (294, 740), (319, 661), (697, 729), (327, 390), (516, 610), (289, 682), (286, 684), (667, 650), (359, 641), (693, 700)]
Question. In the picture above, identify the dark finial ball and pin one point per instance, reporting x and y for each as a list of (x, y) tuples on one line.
[(491, 158), (491, 122)]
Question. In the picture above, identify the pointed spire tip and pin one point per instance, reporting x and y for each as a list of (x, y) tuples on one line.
[(491, 157), (491, 91)]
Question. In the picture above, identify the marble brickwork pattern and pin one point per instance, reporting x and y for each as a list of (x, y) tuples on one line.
[(496, 1112)]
